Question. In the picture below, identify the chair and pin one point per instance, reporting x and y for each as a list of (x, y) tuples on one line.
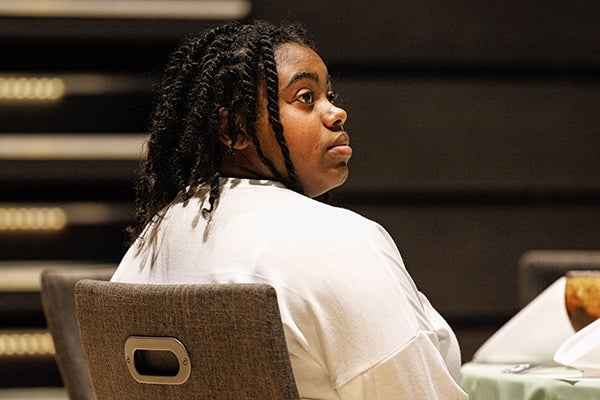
[(540, 268), (58, 303), (203, 341)]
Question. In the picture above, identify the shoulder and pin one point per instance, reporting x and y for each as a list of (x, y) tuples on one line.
[(283, 220), (271, 201), (300, 207), (338, 224), (332, 238)]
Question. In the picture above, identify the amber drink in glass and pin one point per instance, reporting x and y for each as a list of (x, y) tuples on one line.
[(582, 297)]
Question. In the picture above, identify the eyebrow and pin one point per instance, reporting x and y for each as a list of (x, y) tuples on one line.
[(305, 75)]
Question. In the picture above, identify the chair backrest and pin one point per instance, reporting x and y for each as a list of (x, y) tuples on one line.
[(540, 268), (200, 341), (58, 304)]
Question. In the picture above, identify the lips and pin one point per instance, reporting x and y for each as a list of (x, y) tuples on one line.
[(341, 145)]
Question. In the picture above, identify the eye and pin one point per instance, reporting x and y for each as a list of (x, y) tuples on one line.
[(306, 97), (332, 96)]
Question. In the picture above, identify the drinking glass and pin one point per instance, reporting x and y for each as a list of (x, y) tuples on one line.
[(582, 297)]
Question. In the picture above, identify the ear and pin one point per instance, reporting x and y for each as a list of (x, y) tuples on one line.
[(242, 140)]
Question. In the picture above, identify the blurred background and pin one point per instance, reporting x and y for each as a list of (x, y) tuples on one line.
[(475, 127)]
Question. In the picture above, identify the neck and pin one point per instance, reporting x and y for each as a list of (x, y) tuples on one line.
[(241, 170)]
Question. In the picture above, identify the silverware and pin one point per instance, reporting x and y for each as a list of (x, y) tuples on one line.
[(525, 367)]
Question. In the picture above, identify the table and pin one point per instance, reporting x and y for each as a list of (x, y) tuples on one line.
[(488, 382)]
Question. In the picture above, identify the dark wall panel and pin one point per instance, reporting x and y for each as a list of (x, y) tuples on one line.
[(475, 127), (465, 258), (472, 134), (553, 33)]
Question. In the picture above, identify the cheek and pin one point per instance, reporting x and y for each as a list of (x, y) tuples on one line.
[(303, 148), (302, 138)]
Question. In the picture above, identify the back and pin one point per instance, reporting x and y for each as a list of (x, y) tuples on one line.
[(346, 299), (232, 332)]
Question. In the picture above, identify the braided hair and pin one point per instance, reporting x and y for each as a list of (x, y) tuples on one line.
[(222, 69)]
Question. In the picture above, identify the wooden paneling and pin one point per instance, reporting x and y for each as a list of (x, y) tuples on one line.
[(538, 32), (475, 130), (465, 257), (472, 134)]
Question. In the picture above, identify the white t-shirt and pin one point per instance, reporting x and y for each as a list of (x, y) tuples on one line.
[(355, 324)]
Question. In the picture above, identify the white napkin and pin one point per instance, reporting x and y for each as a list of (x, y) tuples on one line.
[(582, 350), (534, 334)]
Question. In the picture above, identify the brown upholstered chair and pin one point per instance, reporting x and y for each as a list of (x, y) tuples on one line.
[(204, 341), (58, 302), (538, 269)]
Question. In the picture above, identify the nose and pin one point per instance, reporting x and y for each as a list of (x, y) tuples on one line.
[(335, 117)]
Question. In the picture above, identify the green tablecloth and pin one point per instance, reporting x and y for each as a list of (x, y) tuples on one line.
[(489, 382)]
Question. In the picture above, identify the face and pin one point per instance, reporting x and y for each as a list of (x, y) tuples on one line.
[(313, 126)]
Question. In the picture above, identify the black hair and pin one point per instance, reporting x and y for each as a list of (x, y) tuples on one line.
[(221, 69)]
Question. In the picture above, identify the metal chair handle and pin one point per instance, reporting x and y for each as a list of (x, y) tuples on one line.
[(157, 360)]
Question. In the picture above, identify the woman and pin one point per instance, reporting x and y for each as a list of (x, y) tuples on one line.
[(244, 136)]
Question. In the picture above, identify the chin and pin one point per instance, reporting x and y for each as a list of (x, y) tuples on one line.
[(316, 192)]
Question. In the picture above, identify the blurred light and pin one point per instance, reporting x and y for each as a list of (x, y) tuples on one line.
[(96, 213), (16, 344), (14, 86), (72, 147), (151, 9), (56, 216), (23, 88), (25, 276), (32, 219)]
